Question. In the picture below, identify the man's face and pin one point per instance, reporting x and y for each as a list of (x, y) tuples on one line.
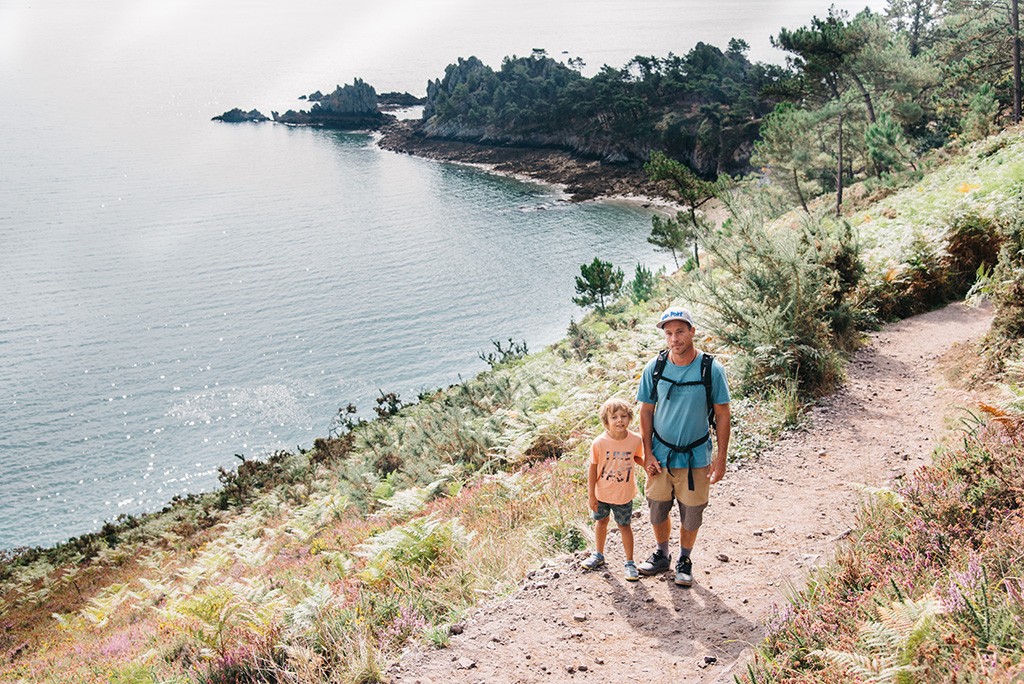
[(679, 336)]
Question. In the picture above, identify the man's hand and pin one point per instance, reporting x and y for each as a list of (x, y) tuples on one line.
[(717, 469), (593, 503)]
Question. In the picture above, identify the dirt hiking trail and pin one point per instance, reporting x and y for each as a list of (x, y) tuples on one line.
[(767, 523)]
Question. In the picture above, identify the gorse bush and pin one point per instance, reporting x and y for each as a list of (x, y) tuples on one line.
[(1004, 285), (932, 274), (781, 298)]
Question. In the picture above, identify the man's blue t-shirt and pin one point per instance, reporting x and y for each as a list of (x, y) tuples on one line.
[(681, 417)]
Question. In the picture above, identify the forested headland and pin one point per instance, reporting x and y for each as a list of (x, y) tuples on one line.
[(863, 96)]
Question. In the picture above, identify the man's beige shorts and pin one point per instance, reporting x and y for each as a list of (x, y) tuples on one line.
[(667, 485)]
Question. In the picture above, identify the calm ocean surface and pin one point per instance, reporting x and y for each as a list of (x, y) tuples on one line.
[(174, 291)]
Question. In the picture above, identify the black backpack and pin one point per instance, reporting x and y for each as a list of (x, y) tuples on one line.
[(705, 379)]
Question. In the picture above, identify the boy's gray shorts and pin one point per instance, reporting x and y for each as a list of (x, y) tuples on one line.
[(623, 513)]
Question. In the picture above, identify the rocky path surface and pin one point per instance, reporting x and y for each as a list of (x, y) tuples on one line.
[(768, 522)]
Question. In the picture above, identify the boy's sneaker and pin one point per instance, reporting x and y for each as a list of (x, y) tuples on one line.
[(631, 573), (593, 561), (658, 562), (684, 572)]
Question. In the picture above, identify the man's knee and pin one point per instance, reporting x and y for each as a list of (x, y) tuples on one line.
[(659, 510), (690, 517)]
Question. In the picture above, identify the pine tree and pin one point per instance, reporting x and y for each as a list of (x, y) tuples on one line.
[(598, 283)]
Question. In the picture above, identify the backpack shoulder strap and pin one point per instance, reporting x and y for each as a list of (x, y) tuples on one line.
[(705, 376), (659, 370)]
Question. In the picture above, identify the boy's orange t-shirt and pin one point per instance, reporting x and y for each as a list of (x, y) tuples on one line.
[(616, 481)]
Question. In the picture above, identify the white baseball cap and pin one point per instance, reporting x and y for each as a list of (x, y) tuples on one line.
[(675, 313)]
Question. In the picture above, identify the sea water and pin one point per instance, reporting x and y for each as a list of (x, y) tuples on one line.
[(175, 291)]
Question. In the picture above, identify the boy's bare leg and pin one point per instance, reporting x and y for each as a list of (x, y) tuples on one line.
[(627, 540), (601, 534)]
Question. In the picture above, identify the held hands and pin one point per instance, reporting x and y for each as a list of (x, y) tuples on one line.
[(651, 465), (592, 502)]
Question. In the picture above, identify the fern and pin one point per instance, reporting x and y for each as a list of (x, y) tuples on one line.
[(890, 642)]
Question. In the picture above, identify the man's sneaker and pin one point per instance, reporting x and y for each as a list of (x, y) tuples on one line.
[(658, 562), (593, 561), (684, 572), (631, 573)]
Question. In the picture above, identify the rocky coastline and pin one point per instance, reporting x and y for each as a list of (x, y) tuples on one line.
[(581, 178)]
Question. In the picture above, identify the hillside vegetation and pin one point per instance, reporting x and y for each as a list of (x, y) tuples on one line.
[(321, 565)]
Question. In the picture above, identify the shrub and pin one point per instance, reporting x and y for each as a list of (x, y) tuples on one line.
[(1004, 285), (782, 299), (643, 285), (502, 355), (580, 340), (972, 242)]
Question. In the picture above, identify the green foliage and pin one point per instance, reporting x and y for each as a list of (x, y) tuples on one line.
[(692, 191), (886, 146), (564, 537), (790, 153), (980, 120), (580, 341), (669, 235), (643, 286), (1004, 285), (783, 299), (133, 674), (387, 404), (502, 355), (890, 642), (702, 106), (598, 283), (420, 544), (933, 274)]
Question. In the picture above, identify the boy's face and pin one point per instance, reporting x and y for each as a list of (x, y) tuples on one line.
[(618, 421)]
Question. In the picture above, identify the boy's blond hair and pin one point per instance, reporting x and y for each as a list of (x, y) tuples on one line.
[(613, 405)]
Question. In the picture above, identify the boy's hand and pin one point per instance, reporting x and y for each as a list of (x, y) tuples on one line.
[(651, 465), (592, 503)]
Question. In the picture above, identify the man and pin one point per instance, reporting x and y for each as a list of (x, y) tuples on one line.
[(674, 416)]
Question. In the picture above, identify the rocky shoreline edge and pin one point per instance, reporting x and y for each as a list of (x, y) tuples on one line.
[(580, 178)]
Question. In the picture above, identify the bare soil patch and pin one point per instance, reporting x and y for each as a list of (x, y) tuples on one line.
[(769, 522)]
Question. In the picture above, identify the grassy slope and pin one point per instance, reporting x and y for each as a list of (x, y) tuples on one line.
[(332, 566)]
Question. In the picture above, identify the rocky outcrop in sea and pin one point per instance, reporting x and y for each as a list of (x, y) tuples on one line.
[(236, 115)]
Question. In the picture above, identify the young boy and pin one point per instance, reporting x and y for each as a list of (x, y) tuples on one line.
[(611, 483)]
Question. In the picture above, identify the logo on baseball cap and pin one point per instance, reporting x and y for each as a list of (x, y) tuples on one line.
[(675, 313)]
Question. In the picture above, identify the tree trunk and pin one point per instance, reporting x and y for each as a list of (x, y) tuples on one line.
[(799, 192), (693, 218), (1015, 25), (839, 171), (866, 95)]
